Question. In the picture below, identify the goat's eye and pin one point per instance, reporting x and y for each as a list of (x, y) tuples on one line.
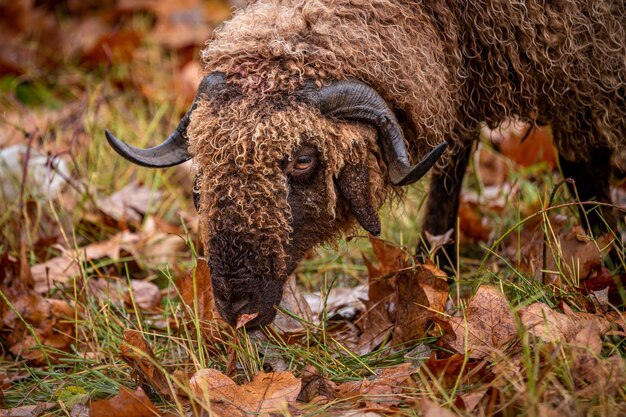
[(303, 163), (302, 167)]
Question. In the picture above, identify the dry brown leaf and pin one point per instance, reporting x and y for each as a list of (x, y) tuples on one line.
[(574, 254), (403, 298), (375, 326), (473, 225), (488, 324), (161, 242), (58, 270), (432, 409), (129, 204), (125, 404), (244, 319), (50, 319), (196, 292), (436, 242), (471, 399), (138, 354), (315, 387), (551, 326), (266, 393), (338, 299), (450, 369), (382, 391), (421, 296), (145, 294), (537, 147), (391, 258), (27, 410), (592, 373), (292, 301)]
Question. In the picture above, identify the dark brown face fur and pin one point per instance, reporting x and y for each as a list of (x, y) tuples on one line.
[(244, 280)]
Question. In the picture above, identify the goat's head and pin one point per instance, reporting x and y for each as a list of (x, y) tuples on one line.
[(280, 175)]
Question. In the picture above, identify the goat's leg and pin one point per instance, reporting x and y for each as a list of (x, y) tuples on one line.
[(592, 183), (442, 205)]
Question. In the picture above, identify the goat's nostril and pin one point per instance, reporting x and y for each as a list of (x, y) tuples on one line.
[(239, 305)]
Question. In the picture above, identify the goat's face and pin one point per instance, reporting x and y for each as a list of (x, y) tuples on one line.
[(271, 187), (280, 175)]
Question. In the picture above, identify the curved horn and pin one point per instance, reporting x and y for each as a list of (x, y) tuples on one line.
[(173, 150), (349, 99)]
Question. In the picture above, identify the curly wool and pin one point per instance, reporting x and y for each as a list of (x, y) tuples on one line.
[(238, 142), (273, 46), (449, 65)]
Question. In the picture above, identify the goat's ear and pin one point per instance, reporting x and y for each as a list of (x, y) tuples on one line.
[(353, 184)]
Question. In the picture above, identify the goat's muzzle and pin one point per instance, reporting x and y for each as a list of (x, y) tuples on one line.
[(244, 280)]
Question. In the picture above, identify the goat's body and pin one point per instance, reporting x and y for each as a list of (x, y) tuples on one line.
[(447, 66), (558, 62)]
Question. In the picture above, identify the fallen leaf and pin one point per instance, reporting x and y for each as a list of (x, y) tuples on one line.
[(126, 404), (266, 393), (536, 147), (375, 326), (551, 326), (487, 327), (391, 259), (196, 292), (31, 324), (315, 387), (573, 257), (432, 409), (60, 269), (161, 243), (338, 299), (145, 294), (294, 302), (138, 354), (129, 204), (421, 295), (436, 242), (381, 391), (472, 399), (79, 410), (473, 224), (27, 410), (453, 368), (244, 319)]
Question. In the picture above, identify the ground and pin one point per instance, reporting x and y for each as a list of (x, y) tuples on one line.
[(106, 304)]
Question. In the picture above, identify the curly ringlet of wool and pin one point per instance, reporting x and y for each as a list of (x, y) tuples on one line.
[(243, 141), (449, 65)]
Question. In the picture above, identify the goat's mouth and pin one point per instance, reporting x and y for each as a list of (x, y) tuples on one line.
[(245, 281), (241, 305)]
